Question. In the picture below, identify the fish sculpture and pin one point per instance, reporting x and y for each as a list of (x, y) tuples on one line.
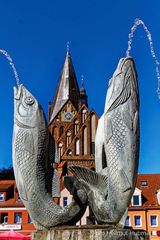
[(110, 188), (31, 168)]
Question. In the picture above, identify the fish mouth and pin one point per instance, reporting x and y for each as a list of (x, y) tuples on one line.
[(122, 63), (117, 84), (18, 92)]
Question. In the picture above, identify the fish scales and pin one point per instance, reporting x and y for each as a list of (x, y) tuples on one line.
[(30, 161), (117, 148), (115, 145)]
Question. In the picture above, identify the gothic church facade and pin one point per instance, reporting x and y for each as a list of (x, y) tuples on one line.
[(71, 123)]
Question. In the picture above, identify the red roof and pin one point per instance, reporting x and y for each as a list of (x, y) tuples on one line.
[(11, 200), (149, 192), (5, 186)]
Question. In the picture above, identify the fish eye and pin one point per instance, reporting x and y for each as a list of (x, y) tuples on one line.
[(29, 100)]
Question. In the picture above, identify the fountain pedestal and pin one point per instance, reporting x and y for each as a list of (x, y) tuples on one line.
[(90, 232)]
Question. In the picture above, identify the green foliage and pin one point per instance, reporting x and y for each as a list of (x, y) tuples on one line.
[(7, 173)]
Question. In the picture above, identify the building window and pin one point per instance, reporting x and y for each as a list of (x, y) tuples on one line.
[(18, 218), (1, 197), (4, 218), (60, 149), (61, 130), (137, 221), (154, 221), (136, 200), (29, 219), (93, 133), (65, 201), (144, 183), (68, 138), (76, 127), (127, 222), (69, 152), (84, 141), (84, 115), (77, 152)]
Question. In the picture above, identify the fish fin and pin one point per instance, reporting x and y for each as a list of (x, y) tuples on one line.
[(125, 182), (108, 130), (135, 121), (124, 95), (127, 119), (89, 177)]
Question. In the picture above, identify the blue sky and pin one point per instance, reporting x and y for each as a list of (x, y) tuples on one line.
[(35, 34)]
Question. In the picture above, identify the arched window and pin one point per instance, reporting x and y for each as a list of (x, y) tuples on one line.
[(84, 115), (84, 141), (61, 130), (76, 127), (55, 132), (69, 152), (93, 133), (68, 138), (60, 149), (77, 149)]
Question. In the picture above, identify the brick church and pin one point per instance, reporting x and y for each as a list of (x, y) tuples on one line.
[(71, 123)]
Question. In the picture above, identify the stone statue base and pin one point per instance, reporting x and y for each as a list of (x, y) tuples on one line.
[(90, 232)]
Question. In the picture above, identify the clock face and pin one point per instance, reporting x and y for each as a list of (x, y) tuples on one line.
[(68, 116)]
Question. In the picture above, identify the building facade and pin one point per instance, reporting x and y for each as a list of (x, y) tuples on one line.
[(144, 210), (72, 125), (13, 214)]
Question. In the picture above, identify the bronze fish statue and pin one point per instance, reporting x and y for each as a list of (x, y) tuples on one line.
[(110, 188)]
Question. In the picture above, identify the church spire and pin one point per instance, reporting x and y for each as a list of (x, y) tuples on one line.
[(83, 94), (67, 88)]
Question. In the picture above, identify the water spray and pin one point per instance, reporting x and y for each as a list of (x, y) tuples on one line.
[(130, 39), (6, 54)]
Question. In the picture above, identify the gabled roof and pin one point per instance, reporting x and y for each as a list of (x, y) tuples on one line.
[(5, 186), (67, 88), (149, 192), (11, 200)]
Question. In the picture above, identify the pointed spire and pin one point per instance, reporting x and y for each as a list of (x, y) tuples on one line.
[(83, 93), (67, 87)]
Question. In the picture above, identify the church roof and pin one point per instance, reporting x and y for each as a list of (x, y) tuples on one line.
[(67, 88)]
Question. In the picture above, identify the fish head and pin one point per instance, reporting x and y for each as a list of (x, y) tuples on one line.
[(124, 73), (25, 107)]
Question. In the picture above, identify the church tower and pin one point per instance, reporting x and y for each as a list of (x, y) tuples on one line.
[(71, 123)]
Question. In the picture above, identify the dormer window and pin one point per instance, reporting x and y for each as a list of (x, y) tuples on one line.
[(136, 200), (144, 183), (1, 197)]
